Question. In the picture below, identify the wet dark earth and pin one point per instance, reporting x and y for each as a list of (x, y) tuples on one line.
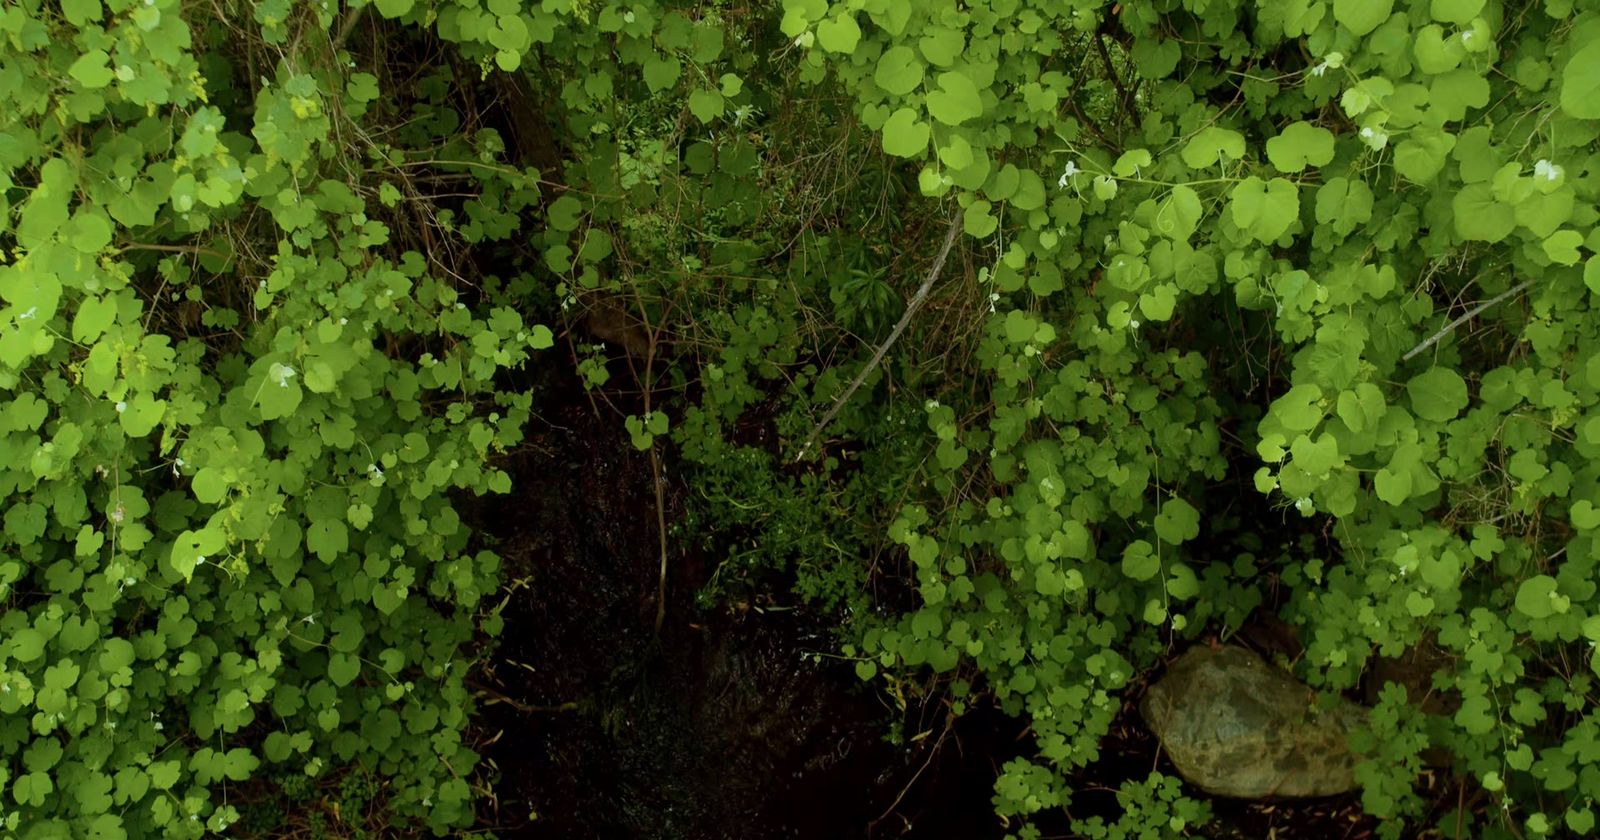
[(728, 724)]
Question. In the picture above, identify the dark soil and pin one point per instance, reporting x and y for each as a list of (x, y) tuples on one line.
[(728, 725), (725, 727)]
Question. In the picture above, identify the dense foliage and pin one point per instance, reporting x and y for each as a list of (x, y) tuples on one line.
[(1282, 305)]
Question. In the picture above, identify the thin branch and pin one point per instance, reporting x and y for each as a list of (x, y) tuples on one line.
[(350, 19), (172, 249), (1473, 313), (1124, 101), (899, 327)]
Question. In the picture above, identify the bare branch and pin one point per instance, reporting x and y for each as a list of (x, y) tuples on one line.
[(1472, 313), (899, 327)]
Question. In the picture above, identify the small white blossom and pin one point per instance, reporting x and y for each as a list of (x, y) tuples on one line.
[(122, 406), (1375, 138), (1302, 505), (1547, 170), (1067, 172), (281, 374), (29, 315), (930, 405), (1320, 69)]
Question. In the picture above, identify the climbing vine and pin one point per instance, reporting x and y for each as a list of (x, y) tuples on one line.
[(268, 270)]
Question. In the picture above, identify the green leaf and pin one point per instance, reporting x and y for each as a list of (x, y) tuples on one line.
[(327, 538), (1479, 217), (27, 644), (1361, 16), (1264, 209), (1562, 247), (899, 70), (839, 33), (661, 72), (1591, 275), (140, 414), (1212, 146), (1139, 561), (192, 548), (96, 313), (978, 222), (904, 135), (92, 69), (393, 8), (80, 12), (1421, 156), (343, 668), (1455, 11), (706, 105), (209, 485), (1180, 214), (1437, 394), (1178, 522), (1317, 457), (941, 46), (1131, 162), (1300, 145), (1536, 597), (1299, 409), (956, 101), (1580, 83)]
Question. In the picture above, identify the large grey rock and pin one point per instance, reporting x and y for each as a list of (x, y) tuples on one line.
[(1236, 726)]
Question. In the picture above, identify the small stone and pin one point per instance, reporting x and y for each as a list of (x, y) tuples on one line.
[(1235, 726)]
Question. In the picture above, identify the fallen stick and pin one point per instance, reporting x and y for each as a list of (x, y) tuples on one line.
[(1476, 310), (899, 327)]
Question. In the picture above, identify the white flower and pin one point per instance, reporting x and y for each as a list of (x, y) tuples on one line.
[(1467, 36), (122, 406), (1547, 170), (375, 471), (28, 315), (281, 374), (930, 405), (1067, 172), (1375, 138), (1302, 505), (1319, 69)]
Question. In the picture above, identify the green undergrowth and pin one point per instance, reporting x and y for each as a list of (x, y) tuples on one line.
[(1278, 305)]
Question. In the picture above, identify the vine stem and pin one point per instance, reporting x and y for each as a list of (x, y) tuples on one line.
[(894, 334), (1473, 313)]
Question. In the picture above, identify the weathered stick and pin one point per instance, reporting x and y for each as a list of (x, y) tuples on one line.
[(1476, 310), (899, 327)]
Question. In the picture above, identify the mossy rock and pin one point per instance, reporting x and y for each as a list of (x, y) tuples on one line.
[(1236, 726)]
